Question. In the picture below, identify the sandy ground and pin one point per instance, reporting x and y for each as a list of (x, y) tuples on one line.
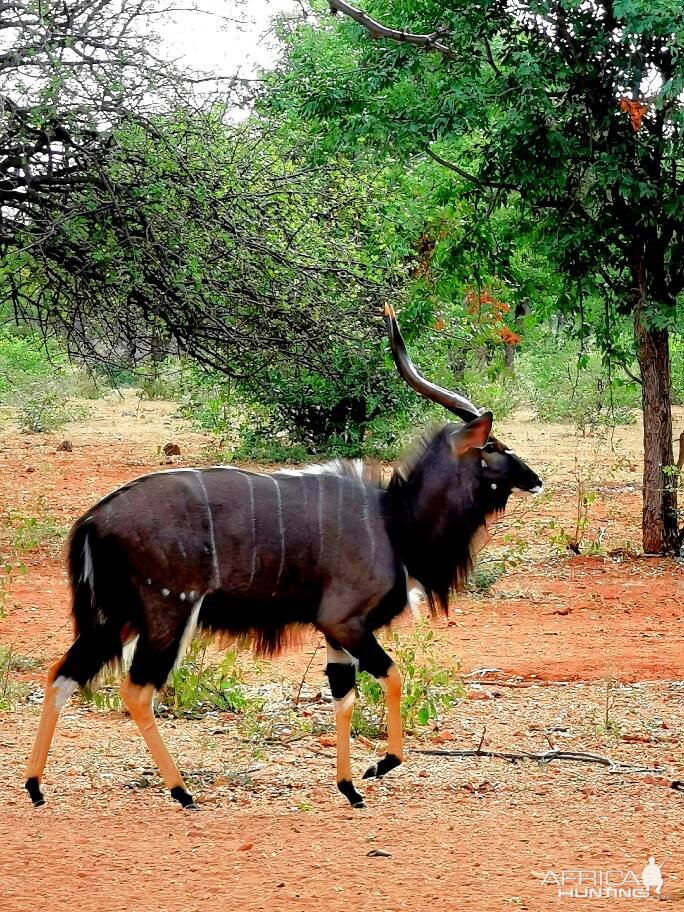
[(558, 636)]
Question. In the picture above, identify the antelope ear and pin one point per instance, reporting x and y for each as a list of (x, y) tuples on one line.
[(473, 436)]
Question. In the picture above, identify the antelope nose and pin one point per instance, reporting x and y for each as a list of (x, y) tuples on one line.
[(537, 489)]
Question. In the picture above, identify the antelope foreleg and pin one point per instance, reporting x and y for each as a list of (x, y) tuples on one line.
[(342, 678), (391, 685)]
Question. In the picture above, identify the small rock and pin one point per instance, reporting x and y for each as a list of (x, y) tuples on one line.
[(172, 449), (479, 788), (423, 774), (328, 741), (479, 695), (246, 846), (30, 469), (378, 853), (66, 446), (652, 779), (443, 736)]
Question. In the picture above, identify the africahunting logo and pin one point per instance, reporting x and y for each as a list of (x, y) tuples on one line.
[(611, 883)]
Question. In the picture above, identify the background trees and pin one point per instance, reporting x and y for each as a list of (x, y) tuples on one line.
[(569, 112), (509, 174), (137, 221)]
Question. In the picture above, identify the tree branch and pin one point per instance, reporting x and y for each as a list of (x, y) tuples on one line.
[(486, 185), (376, 29)]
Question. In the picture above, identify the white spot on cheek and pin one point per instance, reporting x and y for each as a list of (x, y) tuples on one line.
[(149, 582), (62, 689), (192, 594), (182, 596), (493, 486), (165, 593), (483, 464), (509, 452)]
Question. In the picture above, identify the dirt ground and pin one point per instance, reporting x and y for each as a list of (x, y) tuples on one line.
[(559, 647)]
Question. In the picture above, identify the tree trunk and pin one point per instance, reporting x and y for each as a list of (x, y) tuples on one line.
[(659, 524)]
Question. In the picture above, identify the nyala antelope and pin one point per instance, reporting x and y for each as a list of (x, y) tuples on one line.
[(250, 555)]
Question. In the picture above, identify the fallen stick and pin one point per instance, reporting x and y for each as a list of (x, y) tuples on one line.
[(614, 766)]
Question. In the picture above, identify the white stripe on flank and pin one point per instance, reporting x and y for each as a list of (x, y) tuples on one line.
[(189, 631), (210, 521), (340, 501), (127, 654), (366, 519), (305, 498), (281, 530), (320, 520), (250, 487)]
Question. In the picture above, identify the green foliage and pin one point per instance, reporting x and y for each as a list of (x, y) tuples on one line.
[(677, 353), (486, 575), (42, 412), (159, 381), (197, 686), (428, 688), (25, 359), (29, 533), (564, 383), (104, 697), (558, 127), (11, 691), (37, 382)]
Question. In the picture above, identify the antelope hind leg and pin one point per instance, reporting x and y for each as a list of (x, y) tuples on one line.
[(138, 700), (58, 689)]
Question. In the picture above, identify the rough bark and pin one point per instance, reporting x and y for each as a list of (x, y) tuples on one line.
[(659, 490)]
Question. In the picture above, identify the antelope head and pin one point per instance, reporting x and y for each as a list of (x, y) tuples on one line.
[(491, 466)]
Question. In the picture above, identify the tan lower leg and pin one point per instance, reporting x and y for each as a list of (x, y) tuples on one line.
[(391, 684), (138, 701), (343, 715), (46, 727)]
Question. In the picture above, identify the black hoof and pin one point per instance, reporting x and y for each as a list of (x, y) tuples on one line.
[(382, 767), (347, 788), (183, 798), (32, 786)]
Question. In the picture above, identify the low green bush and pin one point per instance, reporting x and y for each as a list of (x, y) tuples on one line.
[(562, 383)]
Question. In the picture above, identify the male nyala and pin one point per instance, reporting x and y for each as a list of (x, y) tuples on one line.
[(251, 555)]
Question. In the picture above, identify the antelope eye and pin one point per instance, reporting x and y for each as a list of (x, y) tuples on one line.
[(490, 448)]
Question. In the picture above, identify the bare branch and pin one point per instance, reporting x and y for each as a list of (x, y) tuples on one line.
[(431, 42)]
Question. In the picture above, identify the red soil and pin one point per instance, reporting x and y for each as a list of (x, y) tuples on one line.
[(553, 619)]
